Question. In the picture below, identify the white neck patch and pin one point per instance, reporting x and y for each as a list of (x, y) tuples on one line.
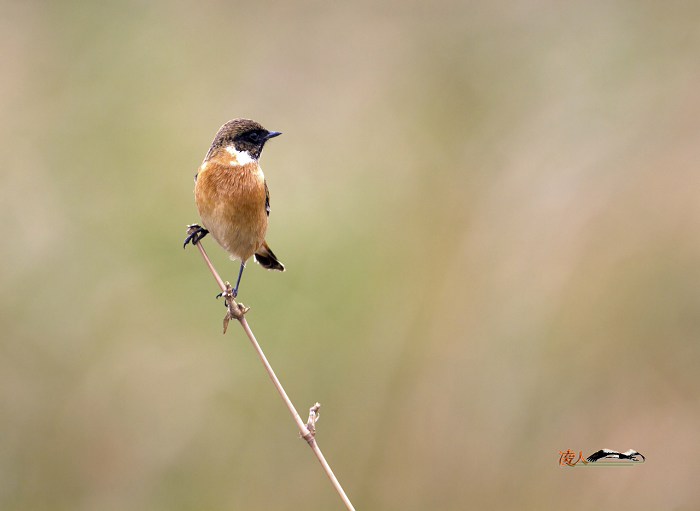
[(239, 157)]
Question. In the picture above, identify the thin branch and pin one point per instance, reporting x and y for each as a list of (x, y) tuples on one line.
[(307, 431)]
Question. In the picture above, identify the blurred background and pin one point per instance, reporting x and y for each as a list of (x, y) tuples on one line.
[(490, 219)]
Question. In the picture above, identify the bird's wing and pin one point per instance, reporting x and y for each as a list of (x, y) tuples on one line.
[(267, 200), (600, 454)]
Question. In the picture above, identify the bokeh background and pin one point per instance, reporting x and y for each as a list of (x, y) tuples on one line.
[(489, 213)]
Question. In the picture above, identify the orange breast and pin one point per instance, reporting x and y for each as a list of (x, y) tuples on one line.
[(231, 202)]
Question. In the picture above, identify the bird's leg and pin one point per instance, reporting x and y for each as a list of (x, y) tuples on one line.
[(194, 234), (238, 282), (232, 293)]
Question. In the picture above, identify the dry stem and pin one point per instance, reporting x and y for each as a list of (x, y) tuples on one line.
[(307, 431)]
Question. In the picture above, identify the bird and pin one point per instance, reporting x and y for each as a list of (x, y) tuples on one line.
[(609, 453), (232, 196)]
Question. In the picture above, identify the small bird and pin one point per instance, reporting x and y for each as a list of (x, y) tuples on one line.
[(232, 195), (609, 453)]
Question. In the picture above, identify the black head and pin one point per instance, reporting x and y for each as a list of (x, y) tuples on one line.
[(634, 454), (243, 135)]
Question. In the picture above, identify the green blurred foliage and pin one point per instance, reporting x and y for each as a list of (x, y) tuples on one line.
[(490, 218)]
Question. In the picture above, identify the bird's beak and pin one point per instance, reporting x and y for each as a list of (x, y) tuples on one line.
[(273, 134)]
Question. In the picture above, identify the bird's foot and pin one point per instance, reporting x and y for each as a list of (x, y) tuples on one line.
[(234, 294), (234, 310), (194, 234)]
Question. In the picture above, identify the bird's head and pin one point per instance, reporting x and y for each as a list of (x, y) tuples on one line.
[(242, 135), (633, 455)]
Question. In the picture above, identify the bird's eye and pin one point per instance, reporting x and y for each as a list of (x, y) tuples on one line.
[(254, 136)]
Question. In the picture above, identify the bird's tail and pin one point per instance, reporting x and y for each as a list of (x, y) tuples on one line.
[(267, 258)]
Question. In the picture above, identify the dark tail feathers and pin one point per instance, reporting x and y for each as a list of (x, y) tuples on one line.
[(267, 258)]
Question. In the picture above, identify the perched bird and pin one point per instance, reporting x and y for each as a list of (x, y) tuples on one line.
[(609, 453), (232, 196)]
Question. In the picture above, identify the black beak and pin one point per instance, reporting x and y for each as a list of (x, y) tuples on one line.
[(272, 134)]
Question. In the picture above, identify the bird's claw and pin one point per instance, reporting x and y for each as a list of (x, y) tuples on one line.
[(233, 293), (194, 234)]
